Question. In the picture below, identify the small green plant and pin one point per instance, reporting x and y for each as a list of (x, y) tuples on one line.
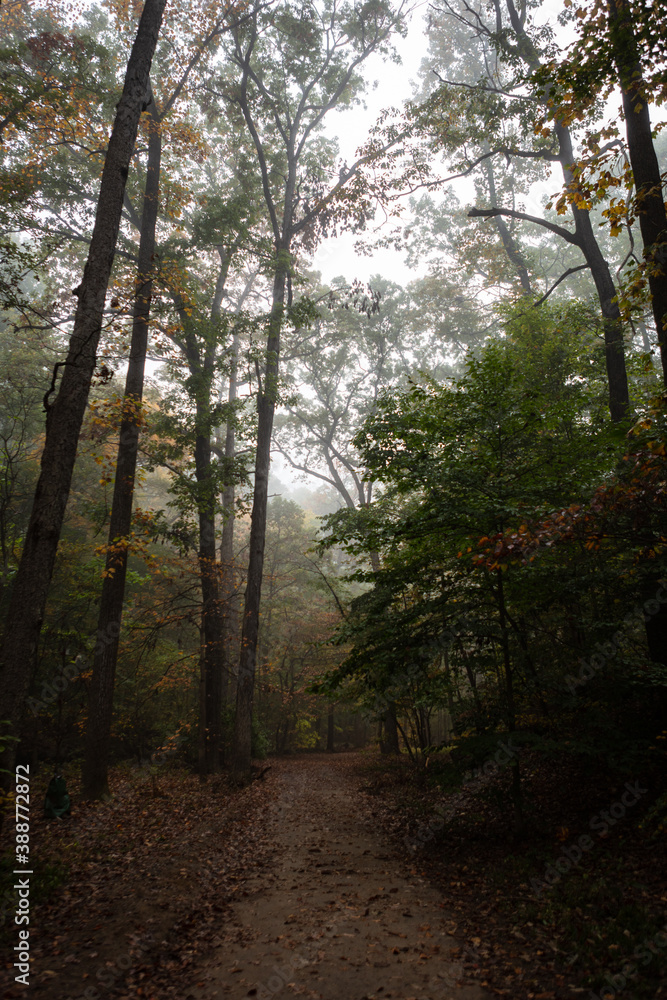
[(261, 741), (305, 737)]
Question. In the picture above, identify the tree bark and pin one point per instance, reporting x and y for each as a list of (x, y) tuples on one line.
[(650, 205), (211, 606), (510, 245), (100, 698), (619, 396), (617, 378), (202, 370), (229, 594), (516, 791), (391, 743), (228, 587), (65, 415), (650, 209), (266, 403)]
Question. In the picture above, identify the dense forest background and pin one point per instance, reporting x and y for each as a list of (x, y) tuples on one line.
[(480, 521), (480, 525), (459, 553)]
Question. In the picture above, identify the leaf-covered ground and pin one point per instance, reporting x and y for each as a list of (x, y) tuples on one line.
[(536, 920), (287, 886), (345, 878), (156, 866)]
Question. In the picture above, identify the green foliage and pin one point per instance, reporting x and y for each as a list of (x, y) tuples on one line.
[(305, 737), (261, 740), (481, 605), (298, 612)]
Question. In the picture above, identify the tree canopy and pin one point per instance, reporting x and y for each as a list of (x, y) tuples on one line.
[(307, 447)]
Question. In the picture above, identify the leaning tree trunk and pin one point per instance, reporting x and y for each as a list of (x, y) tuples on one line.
[(266, 403), (612, 323), (650, 205), (510, 245), (65, 415), (100, 699)]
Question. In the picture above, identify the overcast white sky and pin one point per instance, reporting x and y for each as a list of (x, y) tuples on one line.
[(394, 84)]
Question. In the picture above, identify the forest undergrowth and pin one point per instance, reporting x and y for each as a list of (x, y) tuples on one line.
[(600, 926), (135, 884)]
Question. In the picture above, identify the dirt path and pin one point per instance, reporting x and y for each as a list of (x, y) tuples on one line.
[(334, 916)]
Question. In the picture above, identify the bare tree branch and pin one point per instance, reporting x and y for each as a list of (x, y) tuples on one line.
[(486, 90), (490, 213), (566, 274)]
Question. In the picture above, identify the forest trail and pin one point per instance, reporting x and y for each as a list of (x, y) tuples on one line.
[(333, 916), (289, 887)]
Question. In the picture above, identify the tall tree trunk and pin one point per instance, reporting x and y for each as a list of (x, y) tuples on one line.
[(266, 402), (617, 377), (619, 396), (204, 688), (229, 594), (650, 208), (213, 667), (228, 589), (202, 371), (295, 126), (645, 167), (391, 744), (210, 723), (65, 415), (100, 698), (512, 248), (516, 791)]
